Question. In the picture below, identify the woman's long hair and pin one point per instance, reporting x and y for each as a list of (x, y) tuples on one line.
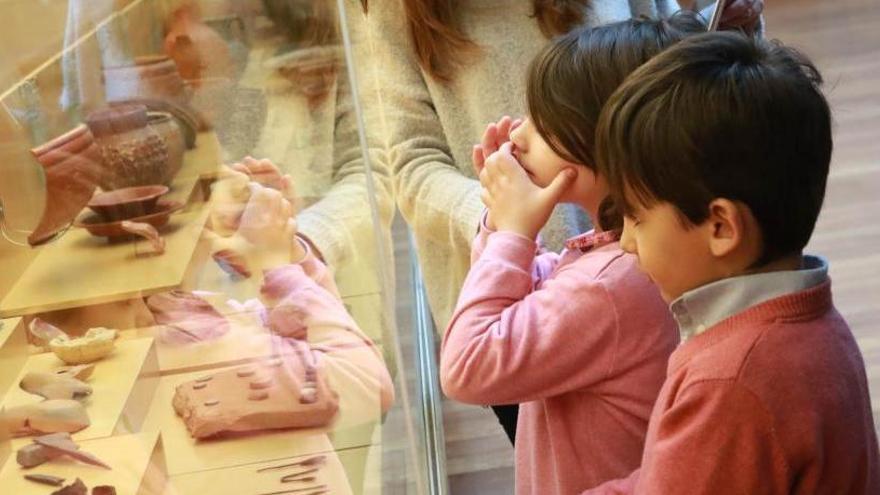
[(441, 46)]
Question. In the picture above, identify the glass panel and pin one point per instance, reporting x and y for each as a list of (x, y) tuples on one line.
[(194, 207)]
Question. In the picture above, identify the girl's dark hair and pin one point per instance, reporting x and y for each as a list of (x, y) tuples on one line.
[(722, 115), (441, 46), (569, 82)]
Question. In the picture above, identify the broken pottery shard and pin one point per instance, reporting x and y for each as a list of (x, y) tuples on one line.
[(146, 231), (33, 455), (104, 490), (45, 479), (54, 386), (94, 345), (75, 488), (43, 332)]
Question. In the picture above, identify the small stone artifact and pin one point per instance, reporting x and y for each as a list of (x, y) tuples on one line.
[(94, 345), (33, 455), (54, 386), (45, 479), (49, 416)]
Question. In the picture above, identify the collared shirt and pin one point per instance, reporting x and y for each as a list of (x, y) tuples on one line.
[(701, 308)]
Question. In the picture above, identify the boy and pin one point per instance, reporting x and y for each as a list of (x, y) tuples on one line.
[(767, 393)]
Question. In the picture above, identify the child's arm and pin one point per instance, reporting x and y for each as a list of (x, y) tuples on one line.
[(717, 437), (507, 343), (544, 264), (303, 300)]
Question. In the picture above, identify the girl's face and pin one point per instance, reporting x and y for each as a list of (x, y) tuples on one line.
[(540, 162)]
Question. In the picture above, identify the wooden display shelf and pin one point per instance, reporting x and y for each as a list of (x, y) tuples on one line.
[(187, 455), (123, 385), (137, 463), (80, 269)]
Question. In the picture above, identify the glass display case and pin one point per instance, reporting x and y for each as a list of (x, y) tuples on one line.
[(182, 318)]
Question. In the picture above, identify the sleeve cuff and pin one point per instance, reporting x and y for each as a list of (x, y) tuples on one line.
[(512, 248)]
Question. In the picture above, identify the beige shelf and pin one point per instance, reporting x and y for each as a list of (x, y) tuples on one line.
[(123, 384), (136, 461), (81, 270)]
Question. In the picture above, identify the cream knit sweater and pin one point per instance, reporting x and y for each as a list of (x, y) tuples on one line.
[(432, 127)]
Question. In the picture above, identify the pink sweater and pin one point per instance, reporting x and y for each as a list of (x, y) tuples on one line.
[(773, 400), (579, 340)]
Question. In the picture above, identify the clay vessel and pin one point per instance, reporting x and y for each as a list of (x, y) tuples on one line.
[(128, 202), (73, 170), (134, 154), (153, 76), (166, 126)]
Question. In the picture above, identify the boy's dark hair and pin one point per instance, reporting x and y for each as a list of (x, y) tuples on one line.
[(721, 115), (571, 79)]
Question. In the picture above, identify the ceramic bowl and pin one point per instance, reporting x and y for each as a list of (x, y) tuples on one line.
[(99, 227), (127, 203)]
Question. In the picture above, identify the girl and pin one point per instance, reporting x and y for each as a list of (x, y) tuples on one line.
[(579, 339)]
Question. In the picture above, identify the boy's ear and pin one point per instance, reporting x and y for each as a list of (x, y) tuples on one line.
[(726, 227)]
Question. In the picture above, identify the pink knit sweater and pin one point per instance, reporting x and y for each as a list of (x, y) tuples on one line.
[(580, 340), (773, 400)]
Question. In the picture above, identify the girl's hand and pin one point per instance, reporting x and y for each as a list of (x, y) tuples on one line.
[(515, 203), (741, 14), (494, 136)]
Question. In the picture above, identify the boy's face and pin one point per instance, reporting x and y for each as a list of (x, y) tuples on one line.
[(537, 158), (676, 257)]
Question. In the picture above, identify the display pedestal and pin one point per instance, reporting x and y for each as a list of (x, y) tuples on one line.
[(136, 460)]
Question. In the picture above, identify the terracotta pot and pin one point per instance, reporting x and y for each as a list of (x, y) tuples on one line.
[(134, 154), (154, 76), (126, 203), (70, 182), (165, 125)]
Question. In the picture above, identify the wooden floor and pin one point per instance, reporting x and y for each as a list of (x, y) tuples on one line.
[(843, 38)]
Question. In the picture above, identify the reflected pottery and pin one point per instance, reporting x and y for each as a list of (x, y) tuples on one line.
[(167, 127), (134, 154), (73, 169)]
